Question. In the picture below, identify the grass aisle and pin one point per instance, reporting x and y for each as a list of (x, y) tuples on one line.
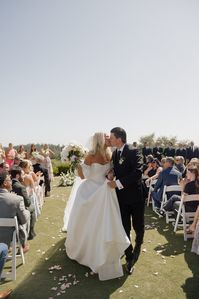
[(166, 268)]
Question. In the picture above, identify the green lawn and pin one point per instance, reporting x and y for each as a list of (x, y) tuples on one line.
[(166, 268)]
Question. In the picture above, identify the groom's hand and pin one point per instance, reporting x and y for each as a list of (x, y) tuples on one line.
[(112, 184)]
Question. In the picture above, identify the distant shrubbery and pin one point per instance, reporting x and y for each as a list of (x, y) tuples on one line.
[(59, 167)]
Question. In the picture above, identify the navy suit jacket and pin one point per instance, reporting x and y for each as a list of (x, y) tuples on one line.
[(129, 172), (169, 176)]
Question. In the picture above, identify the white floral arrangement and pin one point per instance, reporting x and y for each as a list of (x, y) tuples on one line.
[(66, 179), (73, 154)]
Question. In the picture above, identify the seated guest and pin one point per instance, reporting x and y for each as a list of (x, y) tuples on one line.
[(17, 176), (149, 159), (11, 205), (180, 166), (157, 168), (4, 167), (152, 172), (194, 162), (17, 161), (191, 186), (3, 257), (169, 176)]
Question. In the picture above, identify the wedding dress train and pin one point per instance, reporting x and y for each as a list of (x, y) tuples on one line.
[(95, 235)]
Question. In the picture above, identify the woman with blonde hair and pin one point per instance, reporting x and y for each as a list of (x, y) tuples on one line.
[(95, 235), (2, 154)]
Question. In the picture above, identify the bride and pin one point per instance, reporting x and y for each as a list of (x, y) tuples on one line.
[(95, 235)]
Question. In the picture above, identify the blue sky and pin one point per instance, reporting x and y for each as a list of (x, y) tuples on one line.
[(71, 68)]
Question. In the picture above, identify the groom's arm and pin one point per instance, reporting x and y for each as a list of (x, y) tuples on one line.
[(135, 160)]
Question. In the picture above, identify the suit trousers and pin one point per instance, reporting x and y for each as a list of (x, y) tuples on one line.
[(133, 215), (3, 256)]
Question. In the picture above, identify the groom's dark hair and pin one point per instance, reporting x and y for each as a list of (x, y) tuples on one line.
[(119, 133)]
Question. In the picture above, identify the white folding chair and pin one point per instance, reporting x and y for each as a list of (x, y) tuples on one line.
[(187, 217), (173, 188), (151, 187), (12, 222)]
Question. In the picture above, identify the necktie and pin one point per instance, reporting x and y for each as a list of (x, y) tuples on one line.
[(118, 155)]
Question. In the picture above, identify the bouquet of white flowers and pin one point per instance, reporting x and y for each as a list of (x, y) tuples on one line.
[(66, 179), (73, 154)]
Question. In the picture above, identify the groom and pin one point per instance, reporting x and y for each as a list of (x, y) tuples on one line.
[(127, 164)]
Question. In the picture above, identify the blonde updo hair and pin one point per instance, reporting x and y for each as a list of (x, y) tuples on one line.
[(99, 146)]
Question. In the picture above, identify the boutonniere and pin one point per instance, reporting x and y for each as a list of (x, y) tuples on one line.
[(121, 160)]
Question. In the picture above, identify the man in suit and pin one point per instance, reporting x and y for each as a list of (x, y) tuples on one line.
[(192, 151), (128, 172), (181, 151), (169, 176), (146, 150), (170, 150), (17, 187), (11, 205), (157, 151)]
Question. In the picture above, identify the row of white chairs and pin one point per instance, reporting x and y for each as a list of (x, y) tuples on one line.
[(187, 217), (16, 247)]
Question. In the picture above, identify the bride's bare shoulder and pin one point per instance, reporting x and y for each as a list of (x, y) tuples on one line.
[(89, 159)]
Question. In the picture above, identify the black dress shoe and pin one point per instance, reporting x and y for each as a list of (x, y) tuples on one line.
[(129, 266), (31, 235)]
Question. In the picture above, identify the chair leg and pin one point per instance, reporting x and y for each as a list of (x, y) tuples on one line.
[(14, 253)]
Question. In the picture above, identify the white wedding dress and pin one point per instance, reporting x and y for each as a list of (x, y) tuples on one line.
[(95, 235)]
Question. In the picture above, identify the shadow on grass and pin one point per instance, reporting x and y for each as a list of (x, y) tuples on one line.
[(176, 245), (39, 283), (190, 287)]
